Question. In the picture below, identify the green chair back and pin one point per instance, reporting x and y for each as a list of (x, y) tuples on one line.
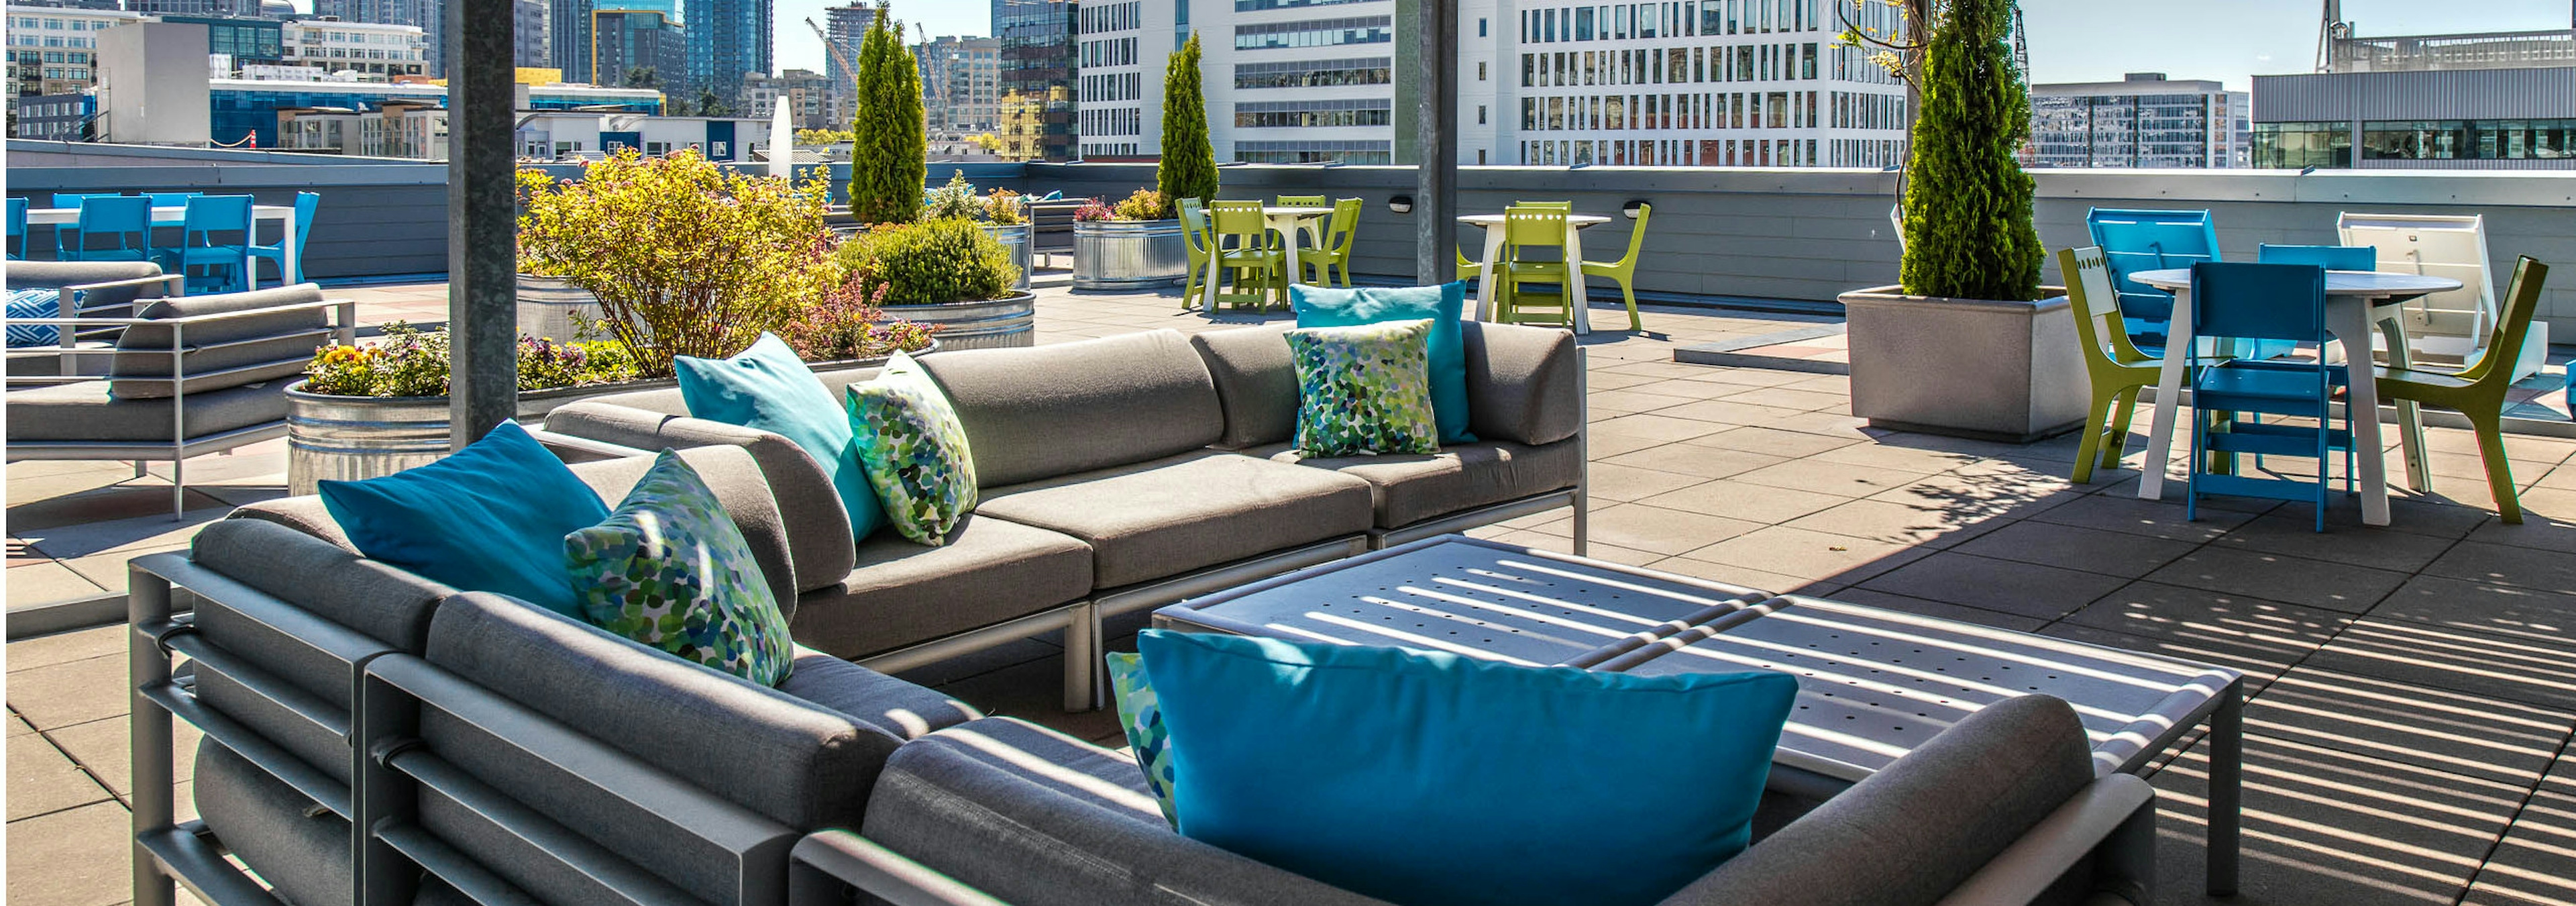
[(2493, 372), (1194, 224), (1303, 201), (1566, 206), (2099, 326), (1636, 240), (1239, 220), (1529, 227), (2478, 392), (1345, 225)]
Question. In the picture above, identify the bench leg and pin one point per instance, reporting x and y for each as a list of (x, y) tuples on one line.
[(148, 731), (2226, 789), (1082, 659)]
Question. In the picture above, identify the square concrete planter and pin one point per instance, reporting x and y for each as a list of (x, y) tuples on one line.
[(1993, 370)]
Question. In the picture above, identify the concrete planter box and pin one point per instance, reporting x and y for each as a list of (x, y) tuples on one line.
[(1980, 368), (1128, 254), (1010, 321), (1020, 240)]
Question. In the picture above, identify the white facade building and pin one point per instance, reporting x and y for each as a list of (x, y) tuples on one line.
[(366, 47), (54, 50), (1123, 50)]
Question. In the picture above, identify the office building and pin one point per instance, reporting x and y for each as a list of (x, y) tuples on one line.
[(728, 39), (427, 15), (530, 35), (61, 117), (961, 81), (1122, 53), (246, 9), (240, 41), (2144, 120), (844, 28), (361, 47), (412, 129), (636, 48), (72, 4), (1037, 72), (811, 101), (2489, 101), (54, 50)]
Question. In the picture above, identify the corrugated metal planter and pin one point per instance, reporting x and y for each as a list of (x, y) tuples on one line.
[(977, 325), (1128, 254), (2007, 371), (1020, 242), (548, 305), (353, 438)]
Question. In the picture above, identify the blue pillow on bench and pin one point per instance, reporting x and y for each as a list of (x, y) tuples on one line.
[(1431, 778), (490, 517), (768, 388), (1444, 305)]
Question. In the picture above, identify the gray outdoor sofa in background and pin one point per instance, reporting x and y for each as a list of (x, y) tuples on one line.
[(1125, 473)]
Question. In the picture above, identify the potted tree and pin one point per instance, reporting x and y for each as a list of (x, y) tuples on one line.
[(1969, 343), (890, 148), (1137, 244)]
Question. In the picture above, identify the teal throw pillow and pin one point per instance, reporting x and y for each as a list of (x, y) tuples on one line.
[(1363, 390), (1445, 305), (768, 388), (490, 517), (1430, 778), (669, 569), (1143, 721), (913, 450)]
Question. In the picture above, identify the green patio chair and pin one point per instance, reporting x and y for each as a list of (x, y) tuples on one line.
[(1255, 259), (1304, 201), (1526, 229), (1468, 268), (2117, 369), (1334, 251), (1566, 206), (1624, 270), (2478, 391), (1194, 239)]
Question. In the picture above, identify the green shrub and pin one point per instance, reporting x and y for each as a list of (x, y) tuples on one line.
[(1146, 204), (1968, 231), (955, 201), (889, 156), (928, 263), (1188, 169)]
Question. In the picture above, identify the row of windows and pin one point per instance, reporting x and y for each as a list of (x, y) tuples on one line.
[(1853, 110), (1724, 110), (1315, 74), (26, 40), (352, 53), (1683, 18), (76, 73), (51, 56), (1355, 151), (1110, 52), (1112, 149), (1248, 6), (1313, 114), (1712, 152), (1660, 65), (1112, 17), (31, 22), (1116, 86), (2330, 144), (1314, 33), (1113, 121)]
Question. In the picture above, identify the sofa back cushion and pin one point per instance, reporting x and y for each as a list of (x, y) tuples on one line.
[(59, 274), (1256, 381), (816, 528), (1046, 411), (271, 346), (1524, 384), (739, 486)]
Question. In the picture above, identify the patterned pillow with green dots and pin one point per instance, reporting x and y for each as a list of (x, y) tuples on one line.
[(1143, 721), (669, 569), (1364, 390), (913, 449)]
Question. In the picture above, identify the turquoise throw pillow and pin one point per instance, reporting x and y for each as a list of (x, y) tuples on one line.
[(1363, 391), (1143, 720), (490, 517), (1426, 778), (1320, 306), (669, 569), (913, 449), (768, 388)]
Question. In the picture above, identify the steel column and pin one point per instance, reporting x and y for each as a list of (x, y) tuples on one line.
[(1435, 193), (482, 218)]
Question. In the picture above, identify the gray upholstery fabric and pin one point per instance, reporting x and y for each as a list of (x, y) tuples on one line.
[(1522, 383), (1912, 832), (304, 514), (901, 708), (281, 357), (818, 531), (85, 412), (740, 487), (1040, 819), (1409, 489), (814, 765), (668, 401), (902, 593), (1256, 380), (271, 828), (1168, 516), (1045, 411), (59, 274)]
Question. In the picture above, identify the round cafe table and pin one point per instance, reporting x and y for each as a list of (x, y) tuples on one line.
[(1286, 220), (2355, 300), (1580, 303)]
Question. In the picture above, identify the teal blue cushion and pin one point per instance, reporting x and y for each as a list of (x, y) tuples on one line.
[(490, 517), (1428, 778), (669, 569), (1321, 306), (768, 388)]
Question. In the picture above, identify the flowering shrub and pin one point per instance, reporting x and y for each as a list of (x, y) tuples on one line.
[(1146, 204), (685, 257), (954, 201), (928, 263), (1092, 209), (410, 362), (847, 324)]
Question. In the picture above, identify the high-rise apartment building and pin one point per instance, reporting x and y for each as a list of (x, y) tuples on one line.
[(636, 48), (54, 50), (727, 40), (531, 47), (1122, 52), (365, 47), (844, 27), (2144, 120), (961, 81), (427, 15), (1037, 72), (811, 101)]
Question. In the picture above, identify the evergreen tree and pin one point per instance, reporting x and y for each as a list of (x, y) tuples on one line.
[(1188, 169), (1968, 231), (890, 152), (710, 105)]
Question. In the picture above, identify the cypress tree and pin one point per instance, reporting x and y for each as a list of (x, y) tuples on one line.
[(1188, 168), (1968, 231), (889, 154)]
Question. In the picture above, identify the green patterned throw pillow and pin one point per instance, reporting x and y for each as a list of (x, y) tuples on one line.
[(669, 569), (1364, 390), (914, 451), (1143, 721)]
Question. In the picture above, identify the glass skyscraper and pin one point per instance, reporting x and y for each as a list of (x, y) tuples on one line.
[(728, 38)]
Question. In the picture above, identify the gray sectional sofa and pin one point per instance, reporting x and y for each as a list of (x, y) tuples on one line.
[(1126, 473)]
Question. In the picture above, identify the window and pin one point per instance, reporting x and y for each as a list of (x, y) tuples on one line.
[(1480, 114), (1480, 28), (2417, 140), (1480, 70)]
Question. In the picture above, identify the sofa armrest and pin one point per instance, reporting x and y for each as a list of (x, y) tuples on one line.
[(1524, 384), (2061, 841), (818, 531), (574, 450), (822, 863)]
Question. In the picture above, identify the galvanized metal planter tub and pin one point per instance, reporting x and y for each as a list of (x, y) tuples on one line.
[(1020, 242), (549, 305), (1128, 254), (977, 325), (1981, 368)]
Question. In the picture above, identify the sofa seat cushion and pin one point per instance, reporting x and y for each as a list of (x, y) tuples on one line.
[(84, 412), (906, 710), (1165, 517), (1461, 477), (990, 570)]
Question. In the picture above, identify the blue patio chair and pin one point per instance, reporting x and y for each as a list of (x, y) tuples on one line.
[(2333, 258), (113, 228), (171, 199), (215, 235), (2282, 303), (67, 236), (17, 229), (305, 203), (2134, 241)]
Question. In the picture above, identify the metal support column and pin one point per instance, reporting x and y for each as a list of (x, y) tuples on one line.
[(1435, 194), (482, 218)]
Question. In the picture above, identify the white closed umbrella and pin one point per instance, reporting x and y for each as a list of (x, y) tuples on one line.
[(782, 143)]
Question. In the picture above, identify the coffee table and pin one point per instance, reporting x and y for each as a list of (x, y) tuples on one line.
[(1872, 683)]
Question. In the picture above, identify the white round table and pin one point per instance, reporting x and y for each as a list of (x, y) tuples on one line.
[(2355, 300), (1578, 302)]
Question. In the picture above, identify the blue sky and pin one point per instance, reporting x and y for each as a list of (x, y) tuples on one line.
[(2070, 40)]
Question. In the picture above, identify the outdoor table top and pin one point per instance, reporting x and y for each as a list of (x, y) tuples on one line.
[(2388, 285), (1579, 221)]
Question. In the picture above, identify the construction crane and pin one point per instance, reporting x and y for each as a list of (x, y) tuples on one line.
[(835, 50)]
